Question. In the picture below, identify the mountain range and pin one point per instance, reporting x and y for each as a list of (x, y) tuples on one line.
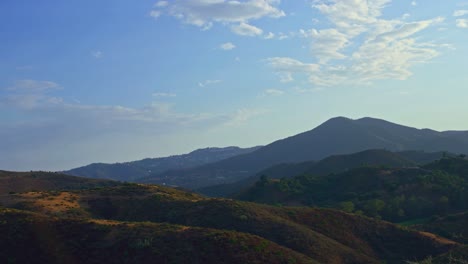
[(130, 171), (336, 136)]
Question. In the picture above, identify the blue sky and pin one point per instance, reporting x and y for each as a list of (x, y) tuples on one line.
[(110, 81)]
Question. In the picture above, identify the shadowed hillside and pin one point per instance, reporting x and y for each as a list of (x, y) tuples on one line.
[(32, 238)]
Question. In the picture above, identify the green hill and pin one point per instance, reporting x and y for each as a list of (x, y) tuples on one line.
[(332, 164), (395, 194)]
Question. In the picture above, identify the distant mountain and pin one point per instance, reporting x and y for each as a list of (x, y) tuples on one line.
[(332, 164), (135, 223), (129, 171), (336, 136)]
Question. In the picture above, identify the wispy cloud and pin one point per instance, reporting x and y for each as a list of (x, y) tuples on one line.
[(161, 4), (459, 13), (359, 46), (227, 46), (208, 82), (273, 92), (242, 116), (33, 86), (159, 94), (462, 23), (270, 35), (285, 67), (97, 54), (83, 132), (245, 29), (204, 14)]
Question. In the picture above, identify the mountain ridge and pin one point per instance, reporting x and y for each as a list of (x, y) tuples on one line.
[(336, 136)]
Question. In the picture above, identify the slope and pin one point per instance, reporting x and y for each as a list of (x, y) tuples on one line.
[(332, 164), (327, 236)]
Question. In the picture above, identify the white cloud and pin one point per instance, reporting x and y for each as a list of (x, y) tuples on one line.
[(273, 92), (204, 13), (270, 35), (241, 116), (159, 94), (414, 3), (286, 67), (97, 54), (33, 86), (359, 46), (327, 44), (208, 82), (53, 133), (227, 46), (155, 13), (162, 4), (462, 23), (245, 29), (459, 13)]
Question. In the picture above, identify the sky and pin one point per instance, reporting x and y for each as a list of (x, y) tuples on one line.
[(112, 81)]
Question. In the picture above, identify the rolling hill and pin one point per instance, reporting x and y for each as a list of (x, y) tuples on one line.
[(131, 223), (130, 171), (13, 182), (395, 194), (332, 164), (336, 136)]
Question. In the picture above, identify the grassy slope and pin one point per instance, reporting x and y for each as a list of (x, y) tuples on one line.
[(327, 236), (32, 238), (67, 220), (43, 181)]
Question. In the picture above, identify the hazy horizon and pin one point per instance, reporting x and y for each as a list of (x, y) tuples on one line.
[(115, 81)]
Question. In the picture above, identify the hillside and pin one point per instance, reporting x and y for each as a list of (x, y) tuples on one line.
[(335, 136), (134, 222), (33, 238), (454, 226), (395, 194), (13, 182), (130, 171), (332, 164)]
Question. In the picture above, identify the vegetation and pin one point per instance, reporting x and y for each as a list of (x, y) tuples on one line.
[(388, 193), (132, 223), (332, 164)]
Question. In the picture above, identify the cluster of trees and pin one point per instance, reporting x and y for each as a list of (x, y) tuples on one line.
[(391, 194)]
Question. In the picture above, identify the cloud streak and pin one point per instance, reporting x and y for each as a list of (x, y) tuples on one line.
[(205, 13), (360, 47)]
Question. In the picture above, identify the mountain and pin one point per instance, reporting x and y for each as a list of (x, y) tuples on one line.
[(332, 164), (129, 171), (135, 223), (336, 136), (394, 194)]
